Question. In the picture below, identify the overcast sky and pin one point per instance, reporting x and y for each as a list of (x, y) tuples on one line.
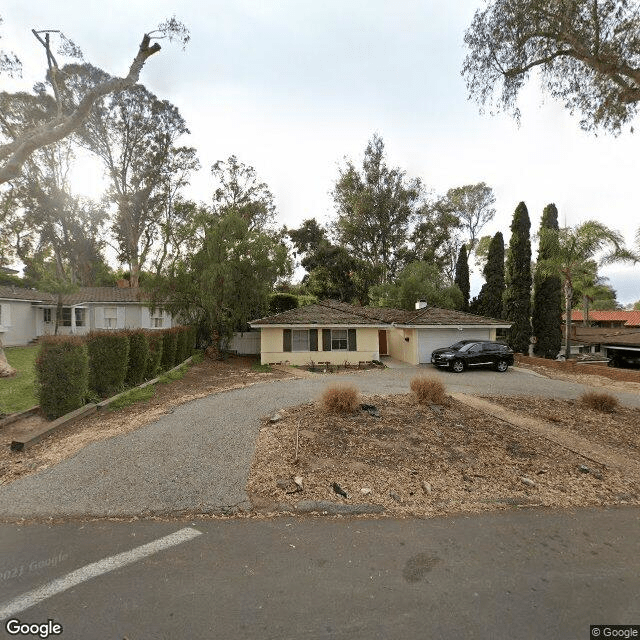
[(293, 86)]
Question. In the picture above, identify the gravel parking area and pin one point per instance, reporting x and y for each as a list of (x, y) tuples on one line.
[(197, 458)]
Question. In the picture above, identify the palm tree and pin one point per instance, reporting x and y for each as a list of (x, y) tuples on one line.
[(577, 249)]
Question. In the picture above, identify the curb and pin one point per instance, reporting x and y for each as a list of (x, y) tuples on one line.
[(326, 507), (38, 434), (14, 417)]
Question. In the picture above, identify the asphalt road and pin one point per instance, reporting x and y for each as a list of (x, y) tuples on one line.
[(515, 574), (197, 458)]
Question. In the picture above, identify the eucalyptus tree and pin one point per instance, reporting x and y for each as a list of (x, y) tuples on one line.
[(586, 53), (67, 117), (578, 249)]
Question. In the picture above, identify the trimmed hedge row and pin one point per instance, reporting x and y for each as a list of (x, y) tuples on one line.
[(69, 368)]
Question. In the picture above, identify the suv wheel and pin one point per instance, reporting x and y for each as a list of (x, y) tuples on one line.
[(502, 366), (457, 366)]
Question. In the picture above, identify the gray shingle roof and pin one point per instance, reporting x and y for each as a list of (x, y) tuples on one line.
[(335, 312), (20, 293)]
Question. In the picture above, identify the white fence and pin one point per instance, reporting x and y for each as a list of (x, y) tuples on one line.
[(245, 343)]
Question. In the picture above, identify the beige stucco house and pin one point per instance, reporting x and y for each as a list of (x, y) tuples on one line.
[(335, 332), (26, 314)]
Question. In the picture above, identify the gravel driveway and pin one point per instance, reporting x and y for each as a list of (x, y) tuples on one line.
[(197, 458)]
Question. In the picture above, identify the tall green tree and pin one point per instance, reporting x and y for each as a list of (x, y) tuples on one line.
[(578, 249), (227, 281), (586, 52), (517, 294), (489, 300), (417, 281), (462, 276), (375, 205), (546, 317), (473, 205)]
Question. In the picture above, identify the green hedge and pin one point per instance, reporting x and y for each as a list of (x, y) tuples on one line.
[(169, 344), (138, 356), (108, 359), (182, 344), (191, 339), (155, 354), (62, 370)]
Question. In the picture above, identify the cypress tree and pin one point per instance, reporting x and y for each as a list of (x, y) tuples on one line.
[(517, 294), (547, 291), (489, 301), (462, 277)]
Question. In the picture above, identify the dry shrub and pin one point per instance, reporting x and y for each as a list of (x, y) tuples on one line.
[(599, 401), (341, 399), (429, 390)]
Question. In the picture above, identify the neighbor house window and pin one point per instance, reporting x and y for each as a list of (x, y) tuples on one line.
[(110, 317), (157, 320), (66, 317), (80, 317), (339, 340), (300, 340), (47, 315)]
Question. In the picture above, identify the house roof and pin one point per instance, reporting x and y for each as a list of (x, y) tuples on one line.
[(595, 335), (20, 293), (105, 294), (82, 295), (335, 312), (630, 318)]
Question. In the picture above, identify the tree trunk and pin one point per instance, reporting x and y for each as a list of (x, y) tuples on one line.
[(568, 294), (6, 370)]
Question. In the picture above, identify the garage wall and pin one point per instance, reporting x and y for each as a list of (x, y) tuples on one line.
[(399, 348)]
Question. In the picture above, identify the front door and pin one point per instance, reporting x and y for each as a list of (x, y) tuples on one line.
[(382, 342)]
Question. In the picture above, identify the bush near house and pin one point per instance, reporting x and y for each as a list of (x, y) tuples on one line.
[(192, 339), (598, 401), (154, 358), (182, 346), (169, 346), (138, 356), (62, 369), (108, 360)]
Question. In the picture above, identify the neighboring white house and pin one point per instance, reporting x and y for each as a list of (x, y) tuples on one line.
[(26, 314)]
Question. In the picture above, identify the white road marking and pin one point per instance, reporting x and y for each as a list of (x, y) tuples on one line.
[(93, 570)]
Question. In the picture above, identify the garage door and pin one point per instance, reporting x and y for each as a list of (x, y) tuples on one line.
[(430, 339)]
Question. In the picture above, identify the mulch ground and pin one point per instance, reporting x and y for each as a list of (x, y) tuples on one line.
[(209, 376), (424, 461), (619, 429)]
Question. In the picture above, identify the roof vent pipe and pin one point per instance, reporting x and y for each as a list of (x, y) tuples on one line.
[(421, 304)]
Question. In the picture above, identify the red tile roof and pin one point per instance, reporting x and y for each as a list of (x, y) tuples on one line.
[(630, 318)]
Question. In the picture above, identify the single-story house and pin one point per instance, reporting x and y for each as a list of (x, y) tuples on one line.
[(608, 319), (336, 332), (616, 344), (26, 314)]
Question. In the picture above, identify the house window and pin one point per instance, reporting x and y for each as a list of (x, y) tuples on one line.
[(157, 320), (46, 315), (300, 340), (80, 317), (339, 340), (110, 318), (66, 317)]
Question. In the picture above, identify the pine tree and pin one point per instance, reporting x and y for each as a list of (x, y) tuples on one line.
[(489, 300), (517, 294), (546, 317), (462, 276)]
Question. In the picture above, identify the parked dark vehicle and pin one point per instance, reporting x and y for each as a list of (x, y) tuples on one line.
[(474, 354), (453, 347)]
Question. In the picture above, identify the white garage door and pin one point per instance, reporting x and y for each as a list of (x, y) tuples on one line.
[(430, 339)]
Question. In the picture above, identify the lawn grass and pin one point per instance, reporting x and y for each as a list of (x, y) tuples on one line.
[(19, 393), (262, 368)]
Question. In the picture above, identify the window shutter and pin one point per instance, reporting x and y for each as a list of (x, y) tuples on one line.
[(120, 315), (145, 319), (326, 339), (286, 339), (99, 318), (313, 339), (352, 340)]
